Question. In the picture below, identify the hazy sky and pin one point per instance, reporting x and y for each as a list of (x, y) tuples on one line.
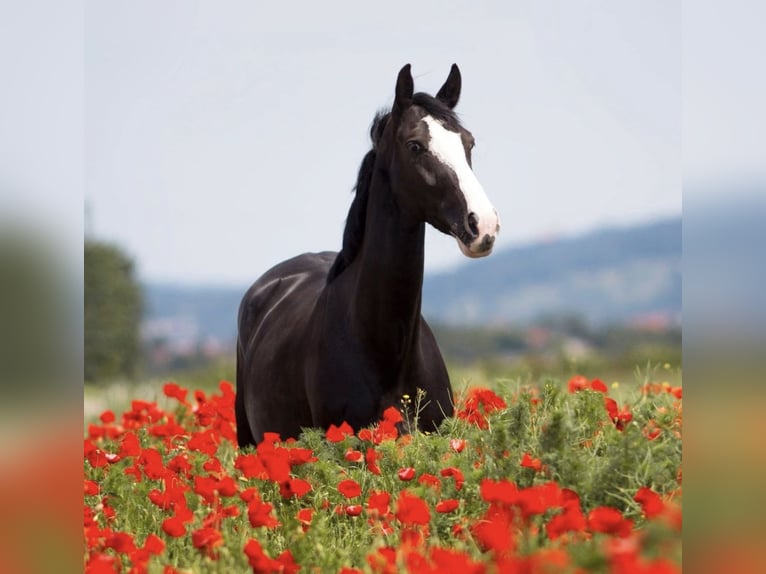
[(224, 137)]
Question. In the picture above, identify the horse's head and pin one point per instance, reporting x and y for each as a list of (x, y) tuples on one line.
[(430, 165)]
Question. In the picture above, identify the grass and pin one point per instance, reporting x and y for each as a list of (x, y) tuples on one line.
[(541, 475)]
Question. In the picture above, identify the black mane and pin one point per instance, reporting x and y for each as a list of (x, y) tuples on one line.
[(357, 213)]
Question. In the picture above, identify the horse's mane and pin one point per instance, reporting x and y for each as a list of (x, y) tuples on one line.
[(357, 213)]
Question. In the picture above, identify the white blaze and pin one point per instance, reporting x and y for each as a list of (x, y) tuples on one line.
[(447, 147)]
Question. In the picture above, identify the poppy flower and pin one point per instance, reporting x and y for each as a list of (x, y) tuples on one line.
[(528, 462), (411, 509), (619, 417), (154, 545), (370, 459), (207, 539), (173, 527), (353, 455), (495, 531), (598, 385), (91, 488), (609, 521), (406, 474), (650, 502), (258, 560), (570, 520), (502, 491), (349, 488), (353, 510), (250, 466), (457, 444), (429, 480), (448, 560), (378, 502), (173, 391), (259, 514), (276, 465), (447, 505), (107, 417), (392, 415), (121, 542), (305, 516), (456, 474), (337, 434), (296, 487)]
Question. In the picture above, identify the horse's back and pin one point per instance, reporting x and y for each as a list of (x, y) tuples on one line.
[(273, 316)]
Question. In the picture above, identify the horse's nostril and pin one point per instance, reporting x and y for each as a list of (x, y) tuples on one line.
[(472, 224), (486, 243)]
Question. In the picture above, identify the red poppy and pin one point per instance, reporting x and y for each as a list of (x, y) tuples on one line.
[(429, 480), (296, 487), (353, 509), (337, 434), (305, 516), (349, 488), (598, 385), (411, 509), (353, 455), (503, 491), (457, 444), (174, 391), (154, 545), (258, 560), (572, 519), (378, 502), (129, 445), (392, 415), (250, 466), (277, 467), (370, 458), (296, 456), (619, 417), (577, 383), (455, 473), (205, 487), (534, 463), (91, 488), (207, 539), (107, 417), (650, 502), (448, 560), (173, 527), (121, 542), (494, 531), (406, 474), (447, 505), (259, 514), (609, 521)]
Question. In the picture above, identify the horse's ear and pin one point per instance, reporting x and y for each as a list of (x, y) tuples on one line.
[(404, 90), (449, 93)]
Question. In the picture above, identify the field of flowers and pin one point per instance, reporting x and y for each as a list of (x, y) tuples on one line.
[(550, 477)]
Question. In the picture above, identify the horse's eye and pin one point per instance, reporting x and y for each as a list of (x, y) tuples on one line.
[(415, 146)]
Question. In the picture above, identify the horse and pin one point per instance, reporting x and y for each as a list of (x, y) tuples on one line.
[(326, 338)]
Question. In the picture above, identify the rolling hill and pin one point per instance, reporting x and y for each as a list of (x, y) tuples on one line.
[(616, 275)]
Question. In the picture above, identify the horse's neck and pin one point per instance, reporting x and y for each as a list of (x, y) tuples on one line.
[(387, 299)]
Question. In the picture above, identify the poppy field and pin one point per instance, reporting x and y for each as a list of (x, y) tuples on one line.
[(572, 476)]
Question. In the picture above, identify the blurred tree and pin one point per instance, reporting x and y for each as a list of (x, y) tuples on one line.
[(113, 309)]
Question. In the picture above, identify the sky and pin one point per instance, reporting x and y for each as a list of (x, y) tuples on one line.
[(222, 138)]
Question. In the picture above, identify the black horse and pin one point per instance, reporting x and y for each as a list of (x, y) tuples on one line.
[(332, 337)]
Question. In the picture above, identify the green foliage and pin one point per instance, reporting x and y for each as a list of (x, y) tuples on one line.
[(113, 309)]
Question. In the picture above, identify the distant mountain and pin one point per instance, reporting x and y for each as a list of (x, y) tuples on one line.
[(612, 275)]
